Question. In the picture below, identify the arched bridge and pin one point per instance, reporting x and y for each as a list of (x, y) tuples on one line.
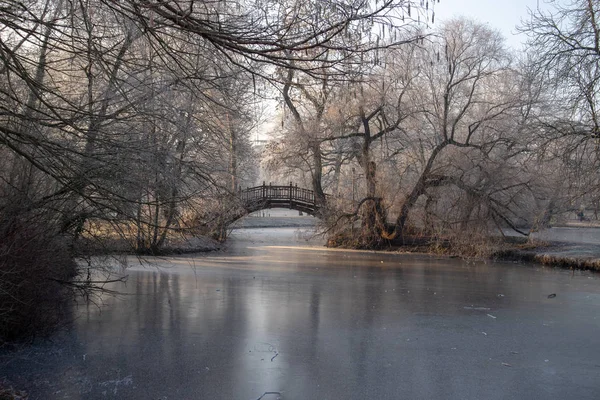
[(275, 196)]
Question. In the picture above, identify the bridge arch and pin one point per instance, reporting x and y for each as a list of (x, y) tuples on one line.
[(278, 196)]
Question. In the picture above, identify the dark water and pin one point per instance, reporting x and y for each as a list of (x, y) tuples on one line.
[(269, 316)]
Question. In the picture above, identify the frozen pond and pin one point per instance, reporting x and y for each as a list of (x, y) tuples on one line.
[(279, 313)]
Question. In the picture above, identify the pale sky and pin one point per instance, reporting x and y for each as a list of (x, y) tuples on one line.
[(503, 15)]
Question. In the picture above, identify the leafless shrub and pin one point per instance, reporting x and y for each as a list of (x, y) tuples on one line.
[(33, 262)]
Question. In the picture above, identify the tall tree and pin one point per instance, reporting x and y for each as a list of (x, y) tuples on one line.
[(470, 103)]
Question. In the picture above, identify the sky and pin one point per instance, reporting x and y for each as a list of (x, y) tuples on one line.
[(503, 15)]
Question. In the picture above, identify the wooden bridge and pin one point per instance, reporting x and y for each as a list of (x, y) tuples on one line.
[(270, 196)]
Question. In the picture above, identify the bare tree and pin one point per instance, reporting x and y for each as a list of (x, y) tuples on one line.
[(375, 108), (470, 112), (564, 53)]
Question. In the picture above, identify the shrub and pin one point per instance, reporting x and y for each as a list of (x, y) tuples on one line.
[(34, 260)]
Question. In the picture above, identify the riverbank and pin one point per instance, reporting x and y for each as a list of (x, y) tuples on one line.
[(109, 243), (565, 247), (556, 254), (569, 255), (574, 245), (119, 245)]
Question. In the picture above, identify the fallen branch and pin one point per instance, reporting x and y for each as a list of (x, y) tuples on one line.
[(268, 393)]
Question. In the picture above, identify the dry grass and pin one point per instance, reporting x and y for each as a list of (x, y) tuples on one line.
[(568, 262), (538, 253)]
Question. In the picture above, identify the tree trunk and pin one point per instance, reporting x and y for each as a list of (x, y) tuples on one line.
[(417, 191), (233, 149), (317, 173)]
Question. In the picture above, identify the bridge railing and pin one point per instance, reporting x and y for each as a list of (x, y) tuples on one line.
[(278, 192)]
